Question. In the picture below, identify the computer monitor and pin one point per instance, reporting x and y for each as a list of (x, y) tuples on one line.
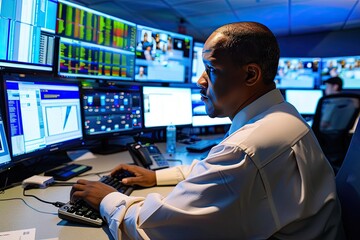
[(5, 158), (162, 56), (197, 63), (166, 105), (298, 73), (27, 34), (304, 100), (43, 115), (347, 68), (94, 44), (111, 111), (199, 115)]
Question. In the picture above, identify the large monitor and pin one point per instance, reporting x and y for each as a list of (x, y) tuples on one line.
[(43, 115), (27, 34), (199, 115), (298, 73), (347, 68), (94, 44), (162, 56), (111, 111), (304, 100), (166, 105), (197, 63)]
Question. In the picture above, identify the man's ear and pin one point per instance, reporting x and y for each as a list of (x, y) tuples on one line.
[(254, 73)]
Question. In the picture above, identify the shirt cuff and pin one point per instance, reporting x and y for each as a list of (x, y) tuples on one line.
[(110, 203), (169, 176)]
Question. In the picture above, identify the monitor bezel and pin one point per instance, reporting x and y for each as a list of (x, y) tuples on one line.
[(109, 87), (54, 148)]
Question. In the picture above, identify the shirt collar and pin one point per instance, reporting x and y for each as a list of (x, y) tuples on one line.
[(258, 106)]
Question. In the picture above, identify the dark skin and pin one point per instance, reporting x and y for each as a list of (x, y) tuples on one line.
[(226, 88)]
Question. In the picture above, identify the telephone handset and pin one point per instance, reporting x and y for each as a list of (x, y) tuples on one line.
[(147, 156)]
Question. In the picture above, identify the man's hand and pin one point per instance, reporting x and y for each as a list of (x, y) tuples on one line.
[(143, 177), (92, 192)]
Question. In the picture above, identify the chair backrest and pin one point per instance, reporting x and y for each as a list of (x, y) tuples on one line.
[(335, 116), (348, 187)]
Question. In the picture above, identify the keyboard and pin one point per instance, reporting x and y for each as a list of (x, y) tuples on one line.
[(203, 145), (81, 212)]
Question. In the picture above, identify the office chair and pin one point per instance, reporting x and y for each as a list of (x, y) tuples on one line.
[(348, 187), (334, 117)]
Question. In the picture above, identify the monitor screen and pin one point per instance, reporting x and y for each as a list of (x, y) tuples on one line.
[(162, 56), (112, 110), (304, 100), (199, 115), (298, 73), (166, 105), (5, 158), (43, 115), (27, 34), (197, 63), (347, 68), (94, 44)]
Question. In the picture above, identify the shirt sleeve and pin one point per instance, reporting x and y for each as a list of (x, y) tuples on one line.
[(149, 217)]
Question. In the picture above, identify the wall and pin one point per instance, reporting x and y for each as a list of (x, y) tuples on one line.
[(326, 44)]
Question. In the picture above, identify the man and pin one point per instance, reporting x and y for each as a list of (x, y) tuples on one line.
[(267, 179), (333, 85)]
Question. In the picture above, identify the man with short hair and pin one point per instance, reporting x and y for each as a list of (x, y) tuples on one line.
[(268, 178)]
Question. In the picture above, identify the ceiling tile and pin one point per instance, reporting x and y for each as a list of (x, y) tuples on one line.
[(255, 3), (312, 16), (354, 19), (196, 8)]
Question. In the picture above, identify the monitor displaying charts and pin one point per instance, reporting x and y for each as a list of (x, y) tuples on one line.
[(94, 44), (43, 115)]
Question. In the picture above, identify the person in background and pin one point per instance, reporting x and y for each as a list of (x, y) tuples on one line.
[(268, 178), (333, 85)]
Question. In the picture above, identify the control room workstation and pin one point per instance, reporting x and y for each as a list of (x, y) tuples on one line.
[(82, 91)]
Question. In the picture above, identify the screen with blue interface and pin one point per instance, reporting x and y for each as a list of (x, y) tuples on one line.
[(298, 73), (112, 110), (94, 44), (162, 56), (27, 34), (197, 62), (347, 68), (42, 114), (4, 148), (166, 105), (304, 100), (199, 115)]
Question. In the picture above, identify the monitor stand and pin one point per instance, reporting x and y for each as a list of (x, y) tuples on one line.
[(114, 145)]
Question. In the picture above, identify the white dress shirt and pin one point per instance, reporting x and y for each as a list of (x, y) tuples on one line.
[(268, 178)]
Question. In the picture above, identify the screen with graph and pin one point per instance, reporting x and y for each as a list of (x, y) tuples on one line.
[(94, 44), (43, 114)]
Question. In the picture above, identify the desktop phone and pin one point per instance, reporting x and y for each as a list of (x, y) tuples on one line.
[(147, 156)]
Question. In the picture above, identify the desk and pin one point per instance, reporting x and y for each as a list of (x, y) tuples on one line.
[(16, 215)]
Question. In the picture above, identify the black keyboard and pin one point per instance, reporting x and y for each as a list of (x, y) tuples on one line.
[(81, 212), (203, 145)]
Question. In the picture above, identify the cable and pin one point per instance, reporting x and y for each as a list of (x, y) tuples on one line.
[(9, 199), (56, 204)]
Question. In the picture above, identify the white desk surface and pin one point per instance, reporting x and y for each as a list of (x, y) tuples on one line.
[(16, 215)]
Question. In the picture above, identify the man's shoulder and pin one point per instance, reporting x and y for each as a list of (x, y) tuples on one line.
[(269, 135)]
